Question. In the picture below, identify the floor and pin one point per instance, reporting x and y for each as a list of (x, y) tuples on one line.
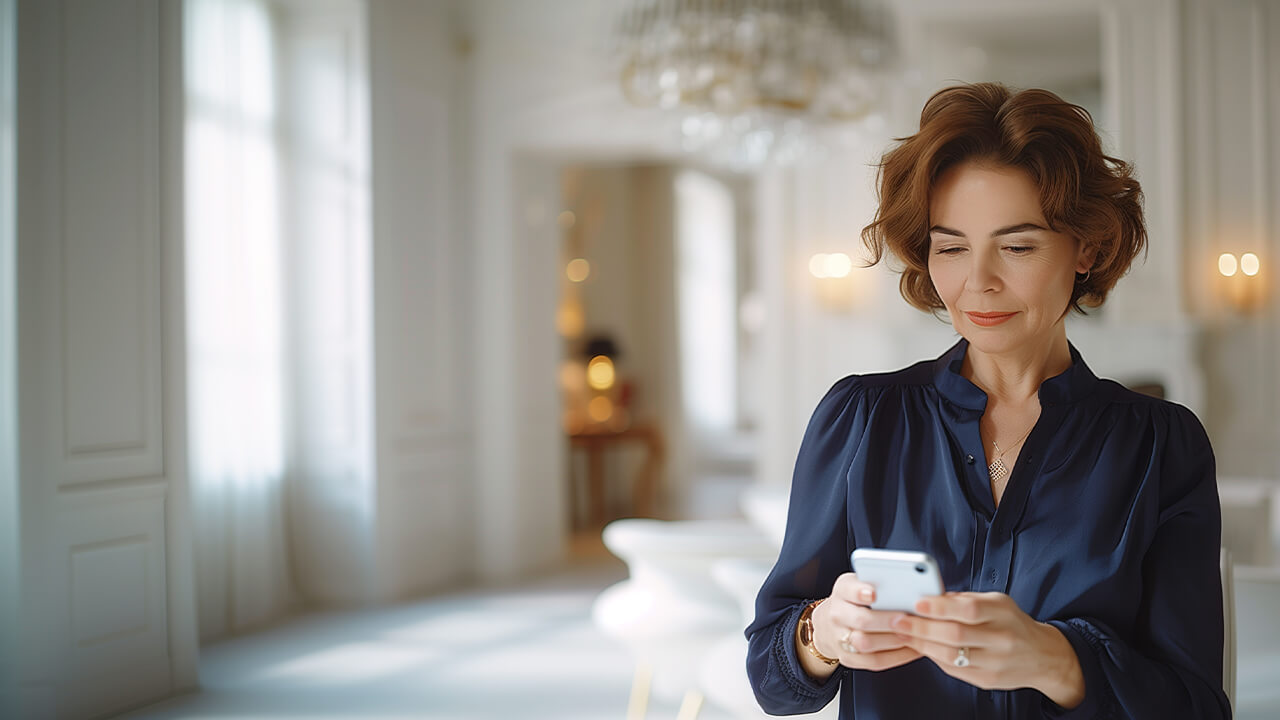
[(529, 651), (525, 652)]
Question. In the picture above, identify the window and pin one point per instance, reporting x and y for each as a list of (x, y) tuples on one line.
[(706, 289)]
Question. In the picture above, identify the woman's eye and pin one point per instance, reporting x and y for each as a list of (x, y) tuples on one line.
[(1020, 249), (949, 250)]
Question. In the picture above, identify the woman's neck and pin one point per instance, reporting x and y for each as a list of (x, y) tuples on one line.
[(1015, 377)]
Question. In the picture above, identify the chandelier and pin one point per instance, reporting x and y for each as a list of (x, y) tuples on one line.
[(755, 77)]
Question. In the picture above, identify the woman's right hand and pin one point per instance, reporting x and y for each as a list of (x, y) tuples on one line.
[(845, 627)]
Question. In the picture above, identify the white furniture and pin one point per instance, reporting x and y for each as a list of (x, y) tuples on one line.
[(670, 611), (723, 677), (765, 506), (1256, 592), (1248, 519)]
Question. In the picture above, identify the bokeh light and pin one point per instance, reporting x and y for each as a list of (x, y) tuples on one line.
[(600, 372)]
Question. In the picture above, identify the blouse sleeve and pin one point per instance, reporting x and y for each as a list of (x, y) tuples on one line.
[(814, 552), (1172, 664)]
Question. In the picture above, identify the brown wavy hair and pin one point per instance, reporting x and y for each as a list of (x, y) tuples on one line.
[(1083, 192)]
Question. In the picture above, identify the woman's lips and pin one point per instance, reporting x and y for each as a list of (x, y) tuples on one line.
[(988, 319)]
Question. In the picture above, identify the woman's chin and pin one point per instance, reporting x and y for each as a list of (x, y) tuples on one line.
[(993, 341)]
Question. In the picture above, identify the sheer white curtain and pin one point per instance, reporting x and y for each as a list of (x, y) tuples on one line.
[(236, 312)]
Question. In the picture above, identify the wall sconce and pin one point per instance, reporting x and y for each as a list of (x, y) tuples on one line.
[(833, 282), (1242, 283)]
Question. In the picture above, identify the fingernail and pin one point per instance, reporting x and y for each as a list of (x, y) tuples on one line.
[(922, 606), (901, 622), (867, 595)]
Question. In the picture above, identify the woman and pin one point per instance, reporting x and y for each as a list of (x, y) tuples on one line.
[(1076, 523)]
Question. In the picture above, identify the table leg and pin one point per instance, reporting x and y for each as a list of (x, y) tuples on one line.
[(595, 485), (644, 494)]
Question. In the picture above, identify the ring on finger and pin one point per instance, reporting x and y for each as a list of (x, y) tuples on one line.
[(962, 658), (846, 645)]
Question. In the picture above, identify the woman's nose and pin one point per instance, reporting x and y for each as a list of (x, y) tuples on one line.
[(983, 274)]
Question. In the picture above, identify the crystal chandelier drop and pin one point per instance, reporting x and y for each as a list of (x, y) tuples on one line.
[(754, 79)]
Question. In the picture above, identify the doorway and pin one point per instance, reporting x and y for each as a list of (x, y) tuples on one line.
[(655, 321)]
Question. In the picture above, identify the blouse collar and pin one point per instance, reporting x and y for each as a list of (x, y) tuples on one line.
[(1070, 385)]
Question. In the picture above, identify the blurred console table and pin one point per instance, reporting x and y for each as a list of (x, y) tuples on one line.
[(595, 444)]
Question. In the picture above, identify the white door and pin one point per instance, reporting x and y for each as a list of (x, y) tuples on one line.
[(106, 606)]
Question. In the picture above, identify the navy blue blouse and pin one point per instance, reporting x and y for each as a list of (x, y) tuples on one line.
[(1109, 529)]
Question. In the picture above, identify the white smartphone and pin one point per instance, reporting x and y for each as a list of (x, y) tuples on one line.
[(900, 576)]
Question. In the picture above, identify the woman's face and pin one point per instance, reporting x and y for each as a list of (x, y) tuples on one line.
[(1004, 276)]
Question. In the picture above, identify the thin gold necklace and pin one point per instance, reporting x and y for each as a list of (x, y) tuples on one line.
[(997, 468)]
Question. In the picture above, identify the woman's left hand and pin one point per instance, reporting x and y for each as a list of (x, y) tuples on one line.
[(1005, 648)]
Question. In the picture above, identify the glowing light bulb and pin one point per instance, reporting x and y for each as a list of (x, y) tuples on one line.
[(838, 265), (600, 372), (830, 265), (578, 269), (818, 265), (1249, 264), (1227, 264)]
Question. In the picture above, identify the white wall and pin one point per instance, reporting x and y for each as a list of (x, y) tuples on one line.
[(422, 293), (1230, 202), (654, 317)]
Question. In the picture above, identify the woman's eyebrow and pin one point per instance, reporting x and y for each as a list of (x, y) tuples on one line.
[(1010, 230), (1020, 227)]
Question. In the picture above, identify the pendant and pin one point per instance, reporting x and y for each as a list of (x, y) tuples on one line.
[(997, 469)]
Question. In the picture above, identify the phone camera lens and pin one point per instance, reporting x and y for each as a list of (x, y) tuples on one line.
[(919, 568)]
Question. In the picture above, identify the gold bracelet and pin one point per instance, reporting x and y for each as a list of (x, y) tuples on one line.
[(806, 633)]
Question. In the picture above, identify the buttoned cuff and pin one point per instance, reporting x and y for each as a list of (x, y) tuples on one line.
[(786, 659), (1097, 691)]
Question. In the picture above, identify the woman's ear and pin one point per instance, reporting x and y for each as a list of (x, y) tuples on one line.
[(1085, 258)]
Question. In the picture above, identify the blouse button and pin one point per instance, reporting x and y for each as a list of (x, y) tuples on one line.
[(968, 459)]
